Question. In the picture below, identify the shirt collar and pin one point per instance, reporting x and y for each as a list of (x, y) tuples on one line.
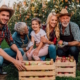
[(66, 32)]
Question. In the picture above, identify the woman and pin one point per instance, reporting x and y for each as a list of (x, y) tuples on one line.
[(52, 30)]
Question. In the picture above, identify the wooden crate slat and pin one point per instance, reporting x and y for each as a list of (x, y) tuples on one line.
[(36, 73), (45, 78), (65, 64), (38, 61), (40, 67), (65, 69), (66, 75)]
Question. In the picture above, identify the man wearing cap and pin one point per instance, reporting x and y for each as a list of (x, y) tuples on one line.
[(69, 34), (5, 14)]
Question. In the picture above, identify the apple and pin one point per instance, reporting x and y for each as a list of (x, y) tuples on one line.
[(27, 63), (58, 60), (66, 73), (63, 59), (47, 63), (71, 60), (59, 72), (60, 42)]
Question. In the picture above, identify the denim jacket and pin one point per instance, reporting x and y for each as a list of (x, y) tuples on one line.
[(17, 39)]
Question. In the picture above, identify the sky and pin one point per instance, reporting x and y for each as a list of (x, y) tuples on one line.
[(8, 1)]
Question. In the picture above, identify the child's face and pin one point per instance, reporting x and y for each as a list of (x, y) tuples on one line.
[(35, 25)]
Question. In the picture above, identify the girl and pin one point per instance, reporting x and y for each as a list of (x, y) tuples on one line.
[(41, 49), (52, 30)]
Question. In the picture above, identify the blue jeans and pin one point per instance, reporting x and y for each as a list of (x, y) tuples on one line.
[(43, 58), (52, 51), (11, 53), (73, 51)]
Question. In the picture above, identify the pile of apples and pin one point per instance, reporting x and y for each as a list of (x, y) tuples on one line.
[(34, 63), (65, 59)]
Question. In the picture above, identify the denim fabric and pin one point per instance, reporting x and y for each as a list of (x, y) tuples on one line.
[(73, 51), (10, 52), (52, 51)]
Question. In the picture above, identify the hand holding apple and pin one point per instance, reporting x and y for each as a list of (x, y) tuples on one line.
[(62, 44)]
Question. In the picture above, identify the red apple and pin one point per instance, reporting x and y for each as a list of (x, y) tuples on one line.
[(60, 42), (58, 59), (27, 63), (66, 73), (63, 59), (59, 72)]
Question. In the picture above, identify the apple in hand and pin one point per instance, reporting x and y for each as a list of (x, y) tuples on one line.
[(60, 42)]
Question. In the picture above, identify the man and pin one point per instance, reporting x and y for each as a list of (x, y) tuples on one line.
[(22, 37), (69, 34), (5, 14)]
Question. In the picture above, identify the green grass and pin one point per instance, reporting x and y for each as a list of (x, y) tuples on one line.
[(13, 73)]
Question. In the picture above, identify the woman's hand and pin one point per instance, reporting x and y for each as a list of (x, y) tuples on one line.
[(44, 40), (28, 52), (35, 52)]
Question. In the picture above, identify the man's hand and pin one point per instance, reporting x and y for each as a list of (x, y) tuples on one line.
[(63, 44), (35, 52), (19, 65), (19, 56)]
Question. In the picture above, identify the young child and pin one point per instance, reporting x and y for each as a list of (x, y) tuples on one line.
[(41, 49)]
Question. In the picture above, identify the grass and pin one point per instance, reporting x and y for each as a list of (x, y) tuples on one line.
[(13, 73)]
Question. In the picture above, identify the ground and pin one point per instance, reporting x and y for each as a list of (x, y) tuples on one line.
[(13, 73)]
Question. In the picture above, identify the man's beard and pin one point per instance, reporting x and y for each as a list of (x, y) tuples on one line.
[(65, 24)]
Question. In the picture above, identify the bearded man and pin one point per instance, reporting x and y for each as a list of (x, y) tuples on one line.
[(69, 34)]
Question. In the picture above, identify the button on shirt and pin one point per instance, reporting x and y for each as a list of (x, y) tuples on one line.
[(74, 30)]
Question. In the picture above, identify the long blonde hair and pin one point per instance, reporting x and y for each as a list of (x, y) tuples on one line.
[(57, 31)]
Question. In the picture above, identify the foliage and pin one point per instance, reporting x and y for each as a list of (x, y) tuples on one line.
[(27, 9)]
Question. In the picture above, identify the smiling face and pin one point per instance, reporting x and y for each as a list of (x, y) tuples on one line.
[(65, 20), (35, 25), (4, 17), (53, 21)]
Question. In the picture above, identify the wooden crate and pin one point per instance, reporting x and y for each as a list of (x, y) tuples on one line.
[(65, 69), (41, 71)]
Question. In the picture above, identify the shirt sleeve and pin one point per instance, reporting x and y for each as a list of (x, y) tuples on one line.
[(32, 33), (9, 38), (43, 33), (75, 32)]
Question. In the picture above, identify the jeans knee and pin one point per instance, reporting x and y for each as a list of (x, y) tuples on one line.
[(52, 47), (21, 50), (60, 52), (74, 50), (1, 61)]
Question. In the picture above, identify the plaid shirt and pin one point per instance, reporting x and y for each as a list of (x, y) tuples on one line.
[(6, 34), (74, 29)]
